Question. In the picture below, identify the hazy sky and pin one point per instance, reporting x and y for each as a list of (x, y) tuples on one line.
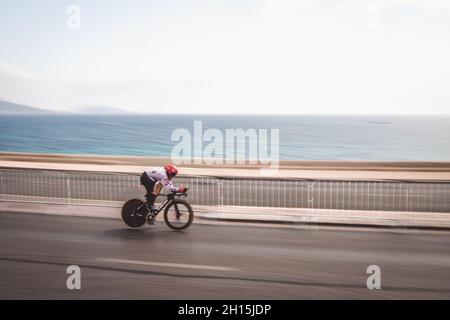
[(347, 56)]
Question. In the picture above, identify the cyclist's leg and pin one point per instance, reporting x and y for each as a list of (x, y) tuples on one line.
[(153, 195), (149, 185)]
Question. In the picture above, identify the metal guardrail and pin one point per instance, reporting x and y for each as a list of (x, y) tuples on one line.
[(111, 189), (87, 188)]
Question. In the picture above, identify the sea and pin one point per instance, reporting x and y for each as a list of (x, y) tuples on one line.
[(330, 137)]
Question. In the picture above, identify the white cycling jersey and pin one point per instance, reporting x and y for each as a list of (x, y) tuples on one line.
[(158, 174)]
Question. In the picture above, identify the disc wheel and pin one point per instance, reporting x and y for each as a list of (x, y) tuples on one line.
[(134, 213), (179, 215)]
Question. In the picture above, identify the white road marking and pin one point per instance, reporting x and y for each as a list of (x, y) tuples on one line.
[(167, 264)]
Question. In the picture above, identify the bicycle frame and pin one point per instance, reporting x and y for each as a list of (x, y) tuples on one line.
[(163, 205), (169, 198)]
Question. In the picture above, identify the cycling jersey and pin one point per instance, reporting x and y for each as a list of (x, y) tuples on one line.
[(158, 174)]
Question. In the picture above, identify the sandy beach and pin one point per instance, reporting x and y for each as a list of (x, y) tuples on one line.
[(288, 169)]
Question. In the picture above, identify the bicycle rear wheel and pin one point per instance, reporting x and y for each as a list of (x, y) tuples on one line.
[(179, 215), (134, 213)]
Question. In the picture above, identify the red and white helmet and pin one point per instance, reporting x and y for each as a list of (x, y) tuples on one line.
[(171, 170)]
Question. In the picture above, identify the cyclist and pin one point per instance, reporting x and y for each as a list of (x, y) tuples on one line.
[(153, 179)]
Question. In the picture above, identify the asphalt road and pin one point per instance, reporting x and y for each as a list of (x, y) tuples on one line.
[(319, 194), (215, 261)]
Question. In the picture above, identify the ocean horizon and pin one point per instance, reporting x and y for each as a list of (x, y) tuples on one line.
[(301, 137)]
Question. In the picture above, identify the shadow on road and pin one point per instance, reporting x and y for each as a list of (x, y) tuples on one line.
[(145, 233)]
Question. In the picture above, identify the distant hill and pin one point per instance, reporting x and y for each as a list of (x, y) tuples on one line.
[(21, 109), (15, 108), (101, 110)]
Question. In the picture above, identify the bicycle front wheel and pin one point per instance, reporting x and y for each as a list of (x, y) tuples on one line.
[(134, 213), (179, 215)]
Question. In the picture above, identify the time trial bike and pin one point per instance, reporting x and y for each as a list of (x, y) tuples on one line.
[(178, 213)]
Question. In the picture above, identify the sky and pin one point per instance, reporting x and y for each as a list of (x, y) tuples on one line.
[(247, 56)]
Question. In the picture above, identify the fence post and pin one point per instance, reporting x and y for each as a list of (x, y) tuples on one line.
[(69, 196), (220, 194), (2, 185), (408, 206), (310, 190), (310, 195)]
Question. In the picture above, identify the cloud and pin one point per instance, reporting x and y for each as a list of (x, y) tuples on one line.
[(14, 71), (20, 85)]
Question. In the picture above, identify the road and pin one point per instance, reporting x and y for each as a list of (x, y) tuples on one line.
[(215, 261), (318, 194)]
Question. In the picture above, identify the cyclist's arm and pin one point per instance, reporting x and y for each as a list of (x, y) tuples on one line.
[(157, 189), (168, 185)]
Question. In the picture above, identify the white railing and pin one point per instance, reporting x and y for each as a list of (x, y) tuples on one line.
[(112, 189)]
